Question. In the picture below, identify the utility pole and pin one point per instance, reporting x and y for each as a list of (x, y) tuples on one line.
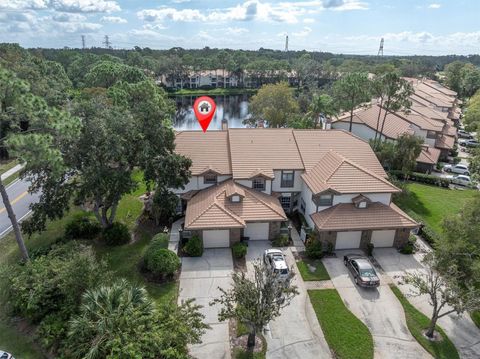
[(107, 43), (83, 42), (286, 43), (380, 49)]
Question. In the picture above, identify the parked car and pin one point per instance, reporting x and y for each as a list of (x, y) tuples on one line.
[(469, 143), (463, 180), (5, 355), (275, 260), (362, 270), (458, 168), (464, 134)]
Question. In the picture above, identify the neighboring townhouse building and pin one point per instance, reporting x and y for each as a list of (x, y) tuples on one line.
[(199, 79), (245, 181)]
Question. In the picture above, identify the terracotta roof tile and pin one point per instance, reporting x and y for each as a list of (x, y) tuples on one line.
[(445, 142), (335, 172), (439, 87), (421, 121), (429, 112), (345, 216), (429, 155)]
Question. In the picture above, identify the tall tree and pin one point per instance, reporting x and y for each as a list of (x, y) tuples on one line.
[(255, 301), (453, 74), (407, 149), (470, 75), (322, 106), (223, 59), (350, 91), (38, 136), (396, 94), (274, 104)]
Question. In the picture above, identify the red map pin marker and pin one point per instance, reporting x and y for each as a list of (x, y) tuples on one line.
[(204, 108)]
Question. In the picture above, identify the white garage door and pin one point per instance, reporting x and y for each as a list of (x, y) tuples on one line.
[(216, 238), (383, 238), (348, 240), (256, 231)]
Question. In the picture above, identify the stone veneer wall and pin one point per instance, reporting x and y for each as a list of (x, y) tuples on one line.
[(274, 230), (235, 234), (401, 237), (328, 237), (365, 240)]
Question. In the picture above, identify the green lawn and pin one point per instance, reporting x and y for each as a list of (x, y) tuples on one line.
[(417, 322), (346, 335), (21, 345), (476, 318), (216, 91), (433, 203), (320, 272), (5, 166)]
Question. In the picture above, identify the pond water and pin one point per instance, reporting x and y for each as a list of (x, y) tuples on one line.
[(233, 108)]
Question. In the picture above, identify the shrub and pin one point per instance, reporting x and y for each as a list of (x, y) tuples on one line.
[(161, 261), (82, 227), (239, 250), (423, 178), (116, 234), (456, 160), (429, 234), (281, 241), (314, 248), (194, 247)]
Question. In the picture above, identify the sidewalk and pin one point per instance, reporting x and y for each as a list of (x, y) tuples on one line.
[(174, 239), (11, 171)]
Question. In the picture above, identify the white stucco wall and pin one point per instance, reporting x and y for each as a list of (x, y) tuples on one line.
[(196, 183), (248, 183), (310, 207), (277, 182), (360, 130)]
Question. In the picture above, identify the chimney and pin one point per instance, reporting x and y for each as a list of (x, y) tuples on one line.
[(224, 125)]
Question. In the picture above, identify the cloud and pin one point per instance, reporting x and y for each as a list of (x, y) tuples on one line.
[(236, 31), (305, 32), (114, 19), (308, 20), (434, 6), (87, 6), (67, 17)]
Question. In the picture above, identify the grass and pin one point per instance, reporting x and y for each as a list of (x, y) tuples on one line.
[(433, 203), (476, 318), (216, 91), (5, 166), (417, 322), (346, 335), (320, 272), (122, 260)]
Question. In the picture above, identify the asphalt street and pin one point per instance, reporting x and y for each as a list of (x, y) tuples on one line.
[(20, 200)]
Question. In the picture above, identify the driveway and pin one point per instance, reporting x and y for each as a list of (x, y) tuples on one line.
[(379, 309), (296, 332), (461, 330), (200, 279)]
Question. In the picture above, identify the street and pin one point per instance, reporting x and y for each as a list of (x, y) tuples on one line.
[(20, 200)]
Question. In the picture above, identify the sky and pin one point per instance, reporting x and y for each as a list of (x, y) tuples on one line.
[(409, 27)]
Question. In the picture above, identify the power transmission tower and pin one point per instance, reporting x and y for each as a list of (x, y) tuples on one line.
[(83, 42), (380, 49), (107, 43), (286, 43)]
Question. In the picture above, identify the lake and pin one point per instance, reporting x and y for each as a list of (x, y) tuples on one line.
[(233, 108)]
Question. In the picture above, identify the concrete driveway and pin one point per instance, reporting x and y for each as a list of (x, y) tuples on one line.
[(200, 279), (379, 309), (296, 333), (461, 330)]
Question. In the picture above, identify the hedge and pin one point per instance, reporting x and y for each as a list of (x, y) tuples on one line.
[(423, 178)]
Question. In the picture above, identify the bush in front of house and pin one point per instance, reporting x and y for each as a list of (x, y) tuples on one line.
[(115, 235), (409, 247), (281, 241), (239, 250), (194, 247), (423, 178), (161, 261), (429, 234), (314, 248), (82, 227)]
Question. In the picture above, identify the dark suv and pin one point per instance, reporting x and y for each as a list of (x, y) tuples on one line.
[(362, 270)]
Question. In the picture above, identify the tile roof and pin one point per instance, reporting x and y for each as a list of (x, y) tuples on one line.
[(336, 173), (262, 149), (314, 144), (435, 99), (394, 125), (439, 87), (429, 112), (421, 121), (449, 130), (345, 216), (429, 155), (211, 207), (435, 93), (196, 144), (445, 142)]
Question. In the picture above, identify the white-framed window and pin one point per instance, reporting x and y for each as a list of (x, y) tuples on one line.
[(325, 200), (362, 204), (210, 178), (235, 198), (285, 202), (258, 183), (287, 178)]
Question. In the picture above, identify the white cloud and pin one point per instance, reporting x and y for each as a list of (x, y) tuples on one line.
[(434, 6), (68, 17), (180, 1), (236, 31), (114, 19), (308, 20), (88, 6), (305, 32)]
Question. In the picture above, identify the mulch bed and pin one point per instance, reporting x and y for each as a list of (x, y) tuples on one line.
[(239, 264), (241, 341)]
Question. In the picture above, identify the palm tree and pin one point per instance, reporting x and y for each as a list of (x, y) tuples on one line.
[(321, 106), (105, 315)]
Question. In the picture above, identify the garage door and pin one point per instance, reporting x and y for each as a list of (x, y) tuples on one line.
[(348, 240), (256, 231), (216, 238), (383, 238)]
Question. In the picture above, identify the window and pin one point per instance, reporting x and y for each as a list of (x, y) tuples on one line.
[(210, 178), (287, 178), (302, 205), (431, 134), (362, 204), (235, 198), (258, 184), (285, 201), (325, 200)]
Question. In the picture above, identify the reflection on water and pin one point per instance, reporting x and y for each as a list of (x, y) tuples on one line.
[(233, 108)]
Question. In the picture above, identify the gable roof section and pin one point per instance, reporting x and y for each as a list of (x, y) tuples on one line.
[(263, 150), (336, 173), (314, 144), (345, 216), (436, 100), (421, 121), (208, 151), (211, 208), (439, 87), (445, 142), (429, 155), (429, 112), (435, 93)]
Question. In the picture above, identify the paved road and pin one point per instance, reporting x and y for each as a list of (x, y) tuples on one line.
[(21, 200)]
